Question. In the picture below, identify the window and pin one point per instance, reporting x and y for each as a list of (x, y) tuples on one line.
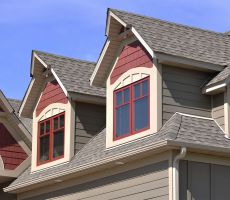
[(131, 109), (51, 139)]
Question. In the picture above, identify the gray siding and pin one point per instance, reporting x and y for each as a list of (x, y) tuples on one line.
[(90, 120), (182, 92), (4, 195), (149, 182), (203, 181), (218, 109)]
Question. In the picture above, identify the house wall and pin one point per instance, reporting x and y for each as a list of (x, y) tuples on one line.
[(11, 152), (218, 109), (90, 120), (204, 181), (182, 92), (146, 179), (51, 94), (132, 55)]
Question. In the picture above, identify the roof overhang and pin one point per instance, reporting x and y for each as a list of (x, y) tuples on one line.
[(216, 88), (187, 63), (111, 45), (87, 98), (39, 72)]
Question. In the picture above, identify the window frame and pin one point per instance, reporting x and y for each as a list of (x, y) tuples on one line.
[(51, 136), (132, 110)]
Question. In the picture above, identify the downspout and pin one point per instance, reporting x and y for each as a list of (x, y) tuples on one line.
[(176, 160)]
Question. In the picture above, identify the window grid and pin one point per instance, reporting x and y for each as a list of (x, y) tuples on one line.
[(49, 134), (131, 102)]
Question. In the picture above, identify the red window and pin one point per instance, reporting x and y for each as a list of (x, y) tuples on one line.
[(131, 109), (51, 139)]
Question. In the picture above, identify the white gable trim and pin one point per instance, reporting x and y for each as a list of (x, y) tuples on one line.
[(26, 96), (59, 82), (106, 46), (109, 19), (143, 42), (99, 61)]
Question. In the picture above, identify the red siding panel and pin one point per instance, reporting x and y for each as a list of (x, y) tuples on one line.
[(51, 94), (11, 152), (132, 55)]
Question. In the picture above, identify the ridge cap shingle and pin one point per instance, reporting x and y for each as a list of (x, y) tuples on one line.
[(63, 57), (169, 22)]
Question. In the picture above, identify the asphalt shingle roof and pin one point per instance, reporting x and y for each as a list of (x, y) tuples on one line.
[(26, 121), (180, 40), (73, 73), (220, 77), (179, 127)]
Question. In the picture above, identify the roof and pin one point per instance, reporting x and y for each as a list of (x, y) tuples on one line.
[(180, 40), (26, 121), (220, 77), (73, 73), (179, 128)]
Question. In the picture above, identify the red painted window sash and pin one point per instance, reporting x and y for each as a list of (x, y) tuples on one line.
[(51, 133), (131, 103)]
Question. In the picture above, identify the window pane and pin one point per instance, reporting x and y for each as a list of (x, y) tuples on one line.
[(137, 91), (58, 144), (62, 120), (126, 95), (55, 121), (44, 148), (145, 87), (47, 126), (42, 128), (122, 120), (119, 98), (141, 113)]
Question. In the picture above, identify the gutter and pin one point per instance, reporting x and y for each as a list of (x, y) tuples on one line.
[(176, 160)]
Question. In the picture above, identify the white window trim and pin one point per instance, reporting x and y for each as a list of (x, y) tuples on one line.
[(48, 112), (155, 102)]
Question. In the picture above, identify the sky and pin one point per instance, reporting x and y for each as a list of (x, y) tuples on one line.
[(76, 28)]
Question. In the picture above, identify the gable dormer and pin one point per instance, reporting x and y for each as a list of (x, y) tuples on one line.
[(65, 110), (129, 71), (133, 54)]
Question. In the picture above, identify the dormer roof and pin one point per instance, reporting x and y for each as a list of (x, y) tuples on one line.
[(190, 45), (179, 40), (71, 74)]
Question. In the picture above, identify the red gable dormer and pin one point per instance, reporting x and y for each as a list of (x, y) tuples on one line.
[(51, 94), (133, 55)]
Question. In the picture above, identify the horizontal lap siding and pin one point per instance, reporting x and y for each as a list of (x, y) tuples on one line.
[(11, 152), (182, 92), (133, 55), (149, 182), (218, 109), (51, 94), (90, 120)]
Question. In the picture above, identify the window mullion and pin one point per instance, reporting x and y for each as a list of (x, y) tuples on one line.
[(131, 110), (51, 138)]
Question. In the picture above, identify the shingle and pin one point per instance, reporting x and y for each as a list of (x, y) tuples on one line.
[(179, 40), (220, 77), (73, 73), (179, 127), (26, 121)]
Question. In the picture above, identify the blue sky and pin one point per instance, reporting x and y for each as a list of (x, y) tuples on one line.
[(76, 28)]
